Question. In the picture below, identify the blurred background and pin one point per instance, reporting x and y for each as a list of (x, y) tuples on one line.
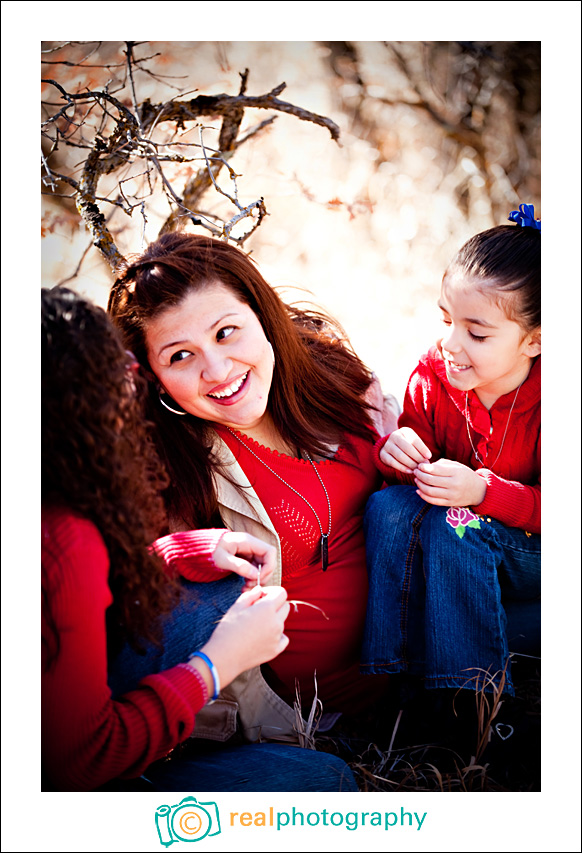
[(438, 140)]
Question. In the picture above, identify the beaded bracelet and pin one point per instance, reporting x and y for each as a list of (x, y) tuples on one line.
[(213, 673)]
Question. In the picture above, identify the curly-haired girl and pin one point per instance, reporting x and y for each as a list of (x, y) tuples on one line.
[(104, 587)]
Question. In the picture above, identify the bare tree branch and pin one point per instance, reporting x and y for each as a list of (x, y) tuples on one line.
[(117, 137), (183, 111), (77, 269)]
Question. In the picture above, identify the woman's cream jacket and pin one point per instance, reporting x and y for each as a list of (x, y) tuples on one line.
[(262, 714)]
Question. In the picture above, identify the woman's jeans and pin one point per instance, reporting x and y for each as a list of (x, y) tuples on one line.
[(250, 767), (442, 584), (187, 627)]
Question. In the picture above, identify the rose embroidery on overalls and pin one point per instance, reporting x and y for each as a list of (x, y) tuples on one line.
[(459, 517)]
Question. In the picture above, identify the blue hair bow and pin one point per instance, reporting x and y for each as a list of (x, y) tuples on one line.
[(525, 217)]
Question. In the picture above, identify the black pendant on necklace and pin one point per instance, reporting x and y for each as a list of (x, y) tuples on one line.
[(324, 558)]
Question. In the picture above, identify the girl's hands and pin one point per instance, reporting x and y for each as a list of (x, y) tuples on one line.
[(404, 450), (246, 555), (250, 633), (442, 483), (448, 483)]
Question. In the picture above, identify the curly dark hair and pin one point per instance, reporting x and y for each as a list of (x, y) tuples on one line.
[(319, 384), (98, 458)]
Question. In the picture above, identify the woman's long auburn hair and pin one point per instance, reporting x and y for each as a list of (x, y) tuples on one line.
[(98, 458), (319, 384)]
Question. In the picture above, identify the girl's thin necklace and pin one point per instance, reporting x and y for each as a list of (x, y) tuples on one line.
[(324, 536), (477, 457)]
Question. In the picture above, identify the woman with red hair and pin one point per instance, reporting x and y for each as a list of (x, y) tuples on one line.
[(263, 422)]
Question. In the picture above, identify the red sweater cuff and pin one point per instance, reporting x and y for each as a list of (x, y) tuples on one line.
[(189, 553), (198, 676), (510, 502), (185, 683)]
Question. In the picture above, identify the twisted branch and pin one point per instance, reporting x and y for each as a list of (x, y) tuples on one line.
[(130, 139), (183, 111)]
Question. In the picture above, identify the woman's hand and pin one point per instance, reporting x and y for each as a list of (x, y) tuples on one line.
[(448, 483), (250, 633), (386, 409), (404, 450), (247, 556)]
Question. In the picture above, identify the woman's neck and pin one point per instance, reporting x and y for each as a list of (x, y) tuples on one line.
[(266, 433), (268, 436)]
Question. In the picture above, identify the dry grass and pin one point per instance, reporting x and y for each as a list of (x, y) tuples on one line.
[(469, 745), (306, 729), (414, 744), (488, 706)]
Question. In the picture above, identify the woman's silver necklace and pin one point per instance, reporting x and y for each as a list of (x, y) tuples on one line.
[(477, 457), (324, 536)]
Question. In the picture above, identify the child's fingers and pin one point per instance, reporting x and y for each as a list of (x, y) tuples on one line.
[(392, 462), (407, 442), (400, 456), (434, 499), (403, 459), (433, 481), (428, 483), (421, 448), (434, 490), (407, 436), (430, 478)]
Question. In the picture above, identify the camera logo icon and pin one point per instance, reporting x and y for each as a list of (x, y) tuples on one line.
[(189, 820)]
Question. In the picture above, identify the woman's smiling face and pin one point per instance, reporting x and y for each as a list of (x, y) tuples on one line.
[(211, 356)]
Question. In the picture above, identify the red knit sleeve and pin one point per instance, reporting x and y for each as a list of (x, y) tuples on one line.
[(87, 738), (418, 414), (189, 553), (510, 502)]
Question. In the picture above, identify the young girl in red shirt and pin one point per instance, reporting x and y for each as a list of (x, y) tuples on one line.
[(453, 544)]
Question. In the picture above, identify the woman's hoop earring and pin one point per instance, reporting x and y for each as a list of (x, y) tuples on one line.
[(168, 407)]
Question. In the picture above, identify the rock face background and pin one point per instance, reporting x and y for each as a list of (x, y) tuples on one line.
[(439, 140)]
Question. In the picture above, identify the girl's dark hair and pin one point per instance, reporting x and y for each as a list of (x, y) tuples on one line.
[(508, 259), (98, 459), (318, 387)]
